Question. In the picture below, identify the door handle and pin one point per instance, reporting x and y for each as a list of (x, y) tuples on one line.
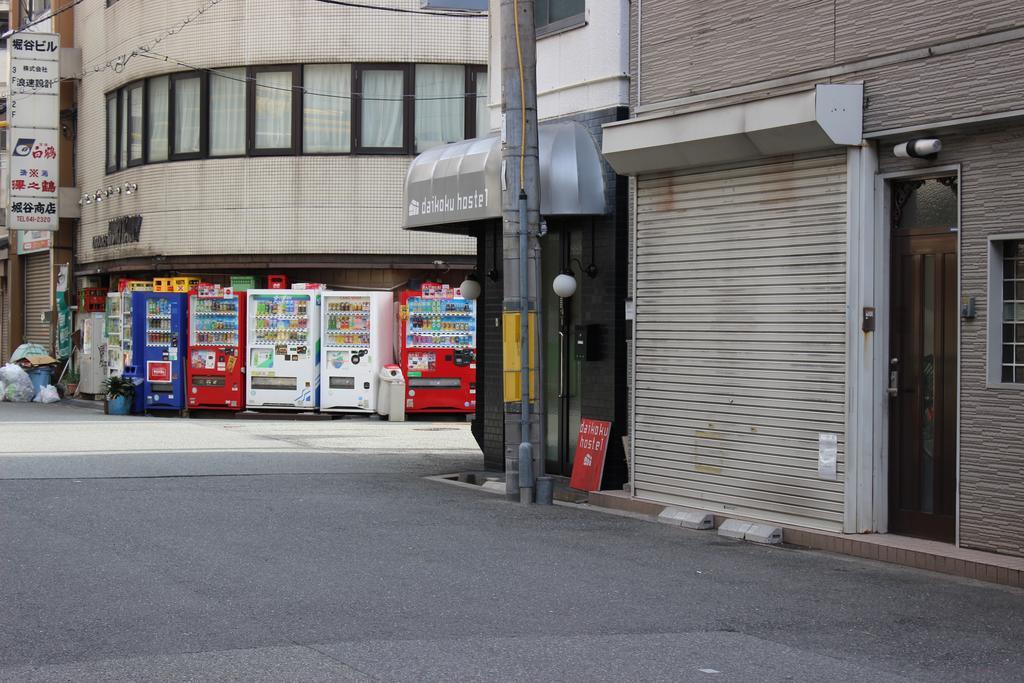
[(894, 377)]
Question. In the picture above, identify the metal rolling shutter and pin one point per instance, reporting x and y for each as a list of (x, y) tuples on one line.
[(740, 334), (37, 299)]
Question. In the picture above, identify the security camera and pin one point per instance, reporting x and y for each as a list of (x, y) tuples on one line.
[(924, 148)]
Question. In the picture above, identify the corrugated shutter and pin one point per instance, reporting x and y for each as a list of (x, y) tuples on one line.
[(740, 334), (38, 299)]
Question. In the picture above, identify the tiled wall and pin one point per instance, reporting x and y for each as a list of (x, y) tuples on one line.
[(332, 205), (691, 48)]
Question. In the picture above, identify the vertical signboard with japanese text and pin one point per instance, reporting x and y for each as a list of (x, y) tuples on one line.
[(33, 141)]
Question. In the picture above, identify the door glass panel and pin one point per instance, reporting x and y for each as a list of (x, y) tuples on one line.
[(553, 355), (930, 203), (927, 473)]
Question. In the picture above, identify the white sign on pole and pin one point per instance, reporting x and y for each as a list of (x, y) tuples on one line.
[(32, 76), (33, 135), (44, 46), (25, 111)]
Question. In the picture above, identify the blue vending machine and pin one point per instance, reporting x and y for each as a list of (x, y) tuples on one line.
[(159, 338)]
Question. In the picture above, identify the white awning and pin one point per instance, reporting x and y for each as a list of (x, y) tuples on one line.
[(462, 181), (827, 117)]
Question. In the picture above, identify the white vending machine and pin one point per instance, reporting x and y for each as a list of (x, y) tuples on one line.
[(358, 340), (92, 357), (114, 330), (283, 349)]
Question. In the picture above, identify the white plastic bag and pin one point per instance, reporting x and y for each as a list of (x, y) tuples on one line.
[(47, 394), (16, 384)]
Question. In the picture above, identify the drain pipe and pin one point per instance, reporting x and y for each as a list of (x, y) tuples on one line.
[(525, 447)]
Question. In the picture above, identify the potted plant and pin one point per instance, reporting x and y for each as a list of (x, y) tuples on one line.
[(120, 392), (71, 382)]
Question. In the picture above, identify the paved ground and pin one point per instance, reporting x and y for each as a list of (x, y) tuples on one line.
[(319, 552)]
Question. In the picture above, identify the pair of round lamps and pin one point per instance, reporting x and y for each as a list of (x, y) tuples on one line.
[(564, 285)]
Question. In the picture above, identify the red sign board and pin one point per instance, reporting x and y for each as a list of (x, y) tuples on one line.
[(591, 446), (158, 371)]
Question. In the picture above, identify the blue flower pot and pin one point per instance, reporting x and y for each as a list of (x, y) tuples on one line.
[(118, 405)]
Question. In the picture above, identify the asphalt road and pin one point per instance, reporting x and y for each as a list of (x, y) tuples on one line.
[(283, 551)]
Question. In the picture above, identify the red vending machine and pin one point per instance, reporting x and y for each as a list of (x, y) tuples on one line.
[(216, 350), (438, 350)]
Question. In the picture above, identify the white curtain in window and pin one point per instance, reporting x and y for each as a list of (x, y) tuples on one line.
[(327, 109), (483, 117), (112, 132), (124, 128), (158, 118), (135, 131), (273, 109), (440, 105), (227, 112), (186, 116), (382, 108)]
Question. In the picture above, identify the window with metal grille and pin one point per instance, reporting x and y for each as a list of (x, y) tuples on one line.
[(1012, 368)]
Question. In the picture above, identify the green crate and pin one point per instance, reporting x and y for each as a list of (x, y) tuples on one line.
[(241, 283)]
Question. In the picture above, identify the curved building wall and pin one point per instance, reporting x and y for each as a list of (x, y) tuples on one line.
[(347, 204)]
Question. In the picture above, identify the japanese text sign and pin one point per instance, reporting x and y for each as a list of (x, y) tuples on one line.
[(591, 446), (30, 76), (44, 46), (33, 133)]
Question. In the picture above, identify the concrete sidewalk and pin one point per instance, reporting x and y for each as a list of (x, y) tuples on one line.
[(919, 553)]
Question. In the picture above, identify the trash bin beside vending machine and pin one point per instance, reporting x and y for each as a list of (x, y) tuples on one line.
[(391, 396)]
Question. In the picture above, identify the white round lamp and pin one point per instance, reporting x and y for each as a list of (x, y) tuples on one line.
[(564, 285), (470, 288)]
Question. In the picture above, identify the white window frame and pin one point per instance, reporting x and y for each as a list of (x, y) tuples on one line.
[(994, 313)]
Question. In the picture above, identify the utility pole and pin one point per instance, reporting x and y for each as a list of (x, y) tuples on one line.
[(520, 202)]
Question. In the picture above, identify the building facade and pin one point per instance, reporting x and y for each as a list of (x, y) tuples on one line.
[(31, 261), (243, 142), (828, 235), (582, 83)]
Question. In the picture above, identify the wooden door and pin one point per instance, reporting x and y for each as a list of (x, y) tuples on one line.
[(923, 384)]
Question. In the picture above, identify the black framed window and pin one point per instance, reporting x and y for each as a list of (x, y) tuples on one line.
[(227, 112), (187, 113), (384, 109), (135, 95), (551, 16), (294, 109), (34, 9), (274, 109), (112, 155), (122, 129), (1012, 313), (327, 109), (158, 113), (440, 105), (478, 117)]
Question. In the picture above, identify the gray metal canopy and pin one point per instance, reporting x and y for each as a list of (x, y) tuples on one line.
[(461, 181)]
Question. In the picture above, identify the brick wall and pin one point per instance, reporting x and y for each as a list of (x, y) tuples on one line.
[(991, 420)]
